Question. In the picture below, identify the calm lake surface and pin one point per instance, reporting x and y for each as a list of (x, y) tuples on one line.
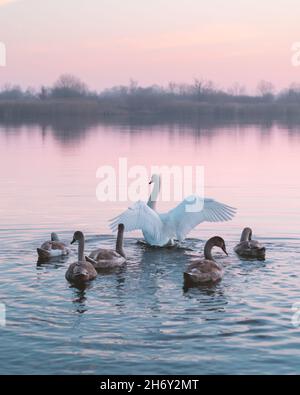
[(140, 320)]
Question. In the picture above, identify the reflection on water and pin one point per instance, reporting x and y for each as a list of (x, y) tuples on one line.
[(140, 319), (80, 298)]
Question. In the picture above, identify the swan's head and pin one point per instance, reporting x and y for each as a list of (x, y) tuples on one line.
[(217, 241), (54, 236), (77, 236), (80, 273), (154, 178)]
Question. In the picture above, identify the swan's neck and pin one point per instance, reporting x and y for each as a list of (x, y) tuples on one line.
[(207, 251), (119, 244), (154, 194), (246, 234), (81, 250)]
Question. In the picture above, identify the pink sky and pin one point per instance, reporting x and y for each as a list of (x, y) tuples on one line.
[(107, 42)]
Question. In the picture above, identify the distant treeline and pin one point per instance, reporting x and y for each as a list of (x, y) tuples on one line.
[(70, 96)]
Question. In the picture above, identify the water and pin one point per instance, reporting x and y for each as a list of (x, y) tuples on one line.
[(140, 320)]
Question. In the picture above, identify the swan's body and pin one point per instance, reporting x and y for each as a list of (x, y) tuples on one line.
[(162, 229), (52, 248), (206, 270), (248, 248), (109, 259), (80, 271)]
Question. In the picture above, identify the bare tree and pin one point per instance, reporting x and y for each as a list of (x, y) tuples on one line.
[(68, 86), (43, 93), (266, 89), (171, 88), (237, 89), (133, 86), (198, 87)]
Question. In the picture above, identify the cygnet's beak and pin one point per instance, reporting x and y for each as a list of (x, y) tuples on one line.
[(224, 249)]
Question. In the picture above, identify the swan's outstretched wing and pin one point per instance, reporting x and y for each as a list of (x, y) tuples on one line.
[(193, 210), (139, 216)]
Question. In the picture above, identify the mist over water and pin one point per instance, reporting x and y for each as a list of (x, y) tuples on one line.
[(140, 320)]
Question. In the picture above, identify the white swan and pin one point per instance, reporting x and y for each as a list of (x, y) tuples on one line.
[(162, 229)]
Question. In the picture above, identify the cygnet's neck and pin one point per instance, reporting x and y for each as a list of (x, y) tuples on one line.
[(119, 243), (207, 250), (246, 234), (81, 249)]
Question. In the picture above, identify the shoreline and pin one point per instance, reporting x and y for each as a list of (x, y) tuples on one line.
[(14, 110)]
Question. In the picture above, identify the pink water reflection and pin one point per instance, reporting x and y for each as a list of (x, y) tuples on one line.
[(49, 182)]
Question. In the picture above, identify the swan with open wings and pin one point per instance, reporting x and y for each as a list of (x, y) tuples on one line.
[(160, 229)]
